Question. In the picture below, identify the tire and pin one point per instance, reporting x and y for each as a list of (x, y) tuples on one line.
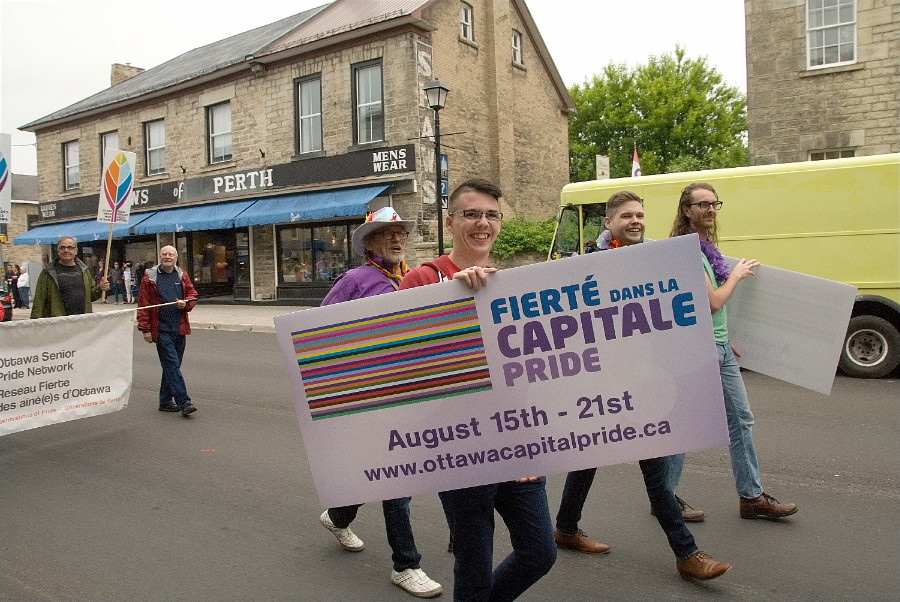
[(871, 348)]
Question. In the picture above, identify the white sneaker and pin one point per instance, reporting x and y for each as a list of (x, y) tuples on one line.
[(416, 582), (348, 540)]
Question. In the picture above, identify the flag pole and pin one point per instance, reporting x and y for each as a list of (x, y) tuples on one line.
[(108, 248)]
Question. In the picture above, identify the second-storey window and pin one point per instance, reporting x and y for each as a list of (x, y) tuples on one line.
[(218, 119), (108, 140), (517, 47), (71, 165), (466, 22), (309, 114), (831, 32), (155, 143), (368, 100)]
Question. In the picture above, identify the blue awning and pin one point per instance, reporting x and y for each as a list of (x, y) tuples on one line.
[(81, 230), (213, 216), (47, 234), (342, 202), (92, 230)]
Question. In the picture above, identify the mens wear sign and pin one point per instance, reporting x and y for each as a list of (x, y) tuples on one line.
[(609, 359)]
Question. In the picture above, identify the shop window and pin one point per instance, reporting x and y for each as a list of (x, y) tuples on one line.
[(368, 99), (517, 48), (309, 114), (314, 253), (830, 32), (466, 22), (155, 146), (218, 119), (71, 165)]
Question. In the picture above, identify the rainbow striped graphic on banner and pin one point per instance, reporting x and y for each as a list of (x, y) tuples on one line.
[(395, 359)]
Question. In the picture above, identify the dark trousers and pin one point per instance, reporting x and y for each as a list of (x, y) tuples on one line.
[(396, 523), (170, 348)]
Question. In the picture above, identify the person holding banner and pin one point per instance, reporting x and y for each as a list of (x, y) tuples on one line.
[(624, 223), (381, 241), (698, 209), (65, 286), (167, 295), (474, 219)]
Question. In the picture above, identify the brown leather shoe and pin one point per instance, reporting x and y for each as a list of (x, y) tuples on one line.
[(765, 506), (701, 566), (580, 541), (688, 513)]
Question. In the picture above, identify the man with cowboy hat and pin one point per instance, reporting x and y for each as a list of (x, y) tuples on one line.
[(381, 241)]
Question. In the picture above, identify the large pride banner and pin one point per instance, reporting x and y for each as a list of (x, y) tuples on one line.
[(587, 361), (58, 369)]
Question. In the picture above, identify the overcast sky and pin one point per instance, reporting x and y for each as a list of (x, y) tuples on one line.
[(55, 53)]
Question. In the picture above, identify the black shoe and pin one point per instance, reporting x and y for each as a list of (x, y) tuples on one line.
[(188, 408), (169, 407)]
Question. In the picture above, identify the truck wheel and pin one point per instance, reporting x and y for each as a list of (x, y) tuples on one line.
[(871, 348)]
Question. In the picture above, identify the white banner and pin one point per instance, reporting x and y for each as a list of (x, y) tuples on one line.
[(5, 178), (58, 369), (116, 186), (588, 361), (790, 326)]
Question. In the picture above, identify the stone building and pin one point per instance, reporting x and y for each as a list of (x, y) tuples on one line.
[(257, 155), (24, 211), (823, 79)]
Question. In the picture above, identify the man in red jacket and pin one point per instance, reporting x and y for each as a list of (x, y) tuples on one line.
[(168, 294)]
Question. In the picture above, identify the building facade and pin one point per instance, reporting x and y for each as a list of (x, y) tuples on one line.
[(23, 214), (258, 155), (823, 79)]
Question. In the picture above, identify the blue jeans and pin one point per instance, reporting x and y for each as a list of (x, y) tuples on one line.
[(118, 290), (24, 296), (523, 508), (744, 464), (170, 348), (660, 480), (399, 530)]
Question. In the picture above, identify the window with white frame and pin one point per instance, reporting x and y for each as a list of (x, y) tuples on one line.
[(155, 144), (72, 165), (108, 140), (466, 22), (369, 103), (517, 47), (830, 32), (309, 114), (840, 153), (218, 119)]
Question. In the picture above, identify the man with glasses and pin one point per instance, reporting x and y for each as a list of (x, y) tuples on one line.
[(474, 219), (381, 241), (65, 286), (624, 223)]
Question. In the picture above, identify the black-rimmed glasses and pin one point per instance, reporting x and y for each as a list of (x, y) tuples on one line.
[(705, 205)]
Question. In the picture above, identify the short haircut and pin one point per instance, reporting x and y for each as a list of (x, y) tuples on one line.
[(473, 185), (618, 199), (62, 238)]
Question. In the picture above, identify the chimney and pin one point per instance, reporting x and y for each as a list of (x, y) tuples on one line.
[(120, 73)]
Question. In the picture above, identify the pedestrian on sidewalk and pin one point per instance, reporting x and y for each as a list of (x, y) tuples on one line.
[(24, 285), (170, 295), (381, 241)]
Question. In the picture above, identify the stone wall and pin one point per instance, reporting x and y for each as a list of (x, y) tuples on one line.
[(793, 110)]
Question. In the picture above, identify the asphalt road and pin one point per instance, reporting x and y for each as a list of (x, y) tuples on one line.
[(144, 505)]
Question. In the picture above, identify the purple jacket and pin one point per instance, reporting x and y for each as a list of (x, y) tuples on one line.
[(363, 281)]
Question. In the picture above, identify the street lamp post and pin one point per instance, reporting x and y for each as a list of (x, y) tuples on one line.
[(436, 92)]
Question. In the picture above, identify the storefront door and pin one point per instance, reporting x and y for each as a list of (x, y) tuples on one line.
[(209, 258)]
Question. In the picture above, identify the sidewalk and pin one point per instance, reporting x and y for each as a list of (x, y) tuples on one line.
[(248, 318)]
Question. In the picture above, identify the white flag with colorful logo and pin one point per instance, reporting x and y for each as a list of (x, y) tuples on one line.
[(635, 165), (5, 179), (116, 186)]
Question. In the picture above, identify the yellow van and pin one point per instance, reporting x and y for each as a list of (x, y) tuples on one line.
[(836, 219)]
